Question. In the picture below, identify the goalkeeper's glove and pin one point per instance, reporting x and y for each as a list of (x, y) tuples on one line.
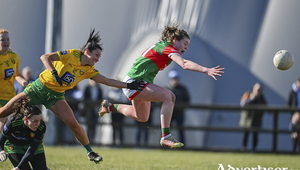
[(56, 77), (136, 85), (3, 156)]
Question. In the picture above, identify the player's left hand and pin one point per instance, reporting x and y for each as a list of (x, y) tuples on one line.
[(215, 71), (56, 77)]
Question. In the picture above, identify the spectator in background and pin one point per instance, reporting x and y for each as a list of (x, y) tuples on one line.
[(294, 101), (252, 119), (92, 94), (116, 95), (295, 128), (27, 74), (294, 95), (182, 98)]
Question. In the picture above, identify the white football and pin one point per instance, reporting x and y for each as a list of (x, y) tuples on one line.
[(283, 60)]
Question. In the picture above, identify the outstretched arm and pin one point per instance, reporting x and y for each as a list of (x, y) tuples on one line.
[(192, 66), (135, 85), (109, 82)]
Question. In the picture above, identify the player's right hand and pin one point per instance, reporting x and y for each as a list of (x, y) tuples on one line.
[(3, 156), (215, 71), (56, 77), (136, 85)]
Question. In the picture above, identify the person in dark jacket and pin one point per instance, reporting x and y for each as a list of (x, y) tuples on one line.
[(252, 119), (293, 101), (294, 95)]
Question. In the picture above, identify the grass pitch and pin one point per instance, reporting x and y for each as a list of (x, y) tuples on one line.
[(74, 158)]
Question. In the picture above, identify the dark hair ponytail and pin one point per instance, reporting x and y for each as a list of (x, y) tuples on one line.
[(93, 42)]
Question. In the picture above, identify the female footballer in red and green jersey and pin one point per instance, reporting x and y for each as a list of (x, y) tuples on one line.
[(22, 138), (174, 42), (64, 70), (9, 71)]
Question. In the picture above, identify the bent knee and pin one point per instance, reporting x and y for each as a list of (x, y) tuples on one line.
[(142, 119), (170, 97)]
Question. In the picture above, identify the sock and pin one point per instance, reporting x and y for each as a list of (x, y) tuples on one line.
[(114, 107), (88, 148), (165, 132)]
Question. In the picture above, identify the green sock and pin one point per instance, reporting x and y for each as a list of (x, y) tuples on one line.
[(165, 131), (115, 107), (88, 148)]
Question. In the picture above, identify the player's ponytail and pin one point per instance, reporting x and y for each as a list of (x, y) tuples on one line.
[(93, 42), (22, 108), (173, 32)]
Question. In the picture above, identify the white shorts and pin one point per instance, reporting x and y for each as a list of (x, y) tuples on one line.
[(130, 94)]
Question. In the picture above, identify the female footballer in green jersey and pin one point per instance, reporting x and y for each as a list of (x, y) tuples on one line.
[(64, 70), (174, 42), (9, 71), (22, 138)]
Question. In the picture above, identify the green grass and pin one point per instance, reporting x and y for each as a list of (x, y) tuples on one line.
[(74, 158)]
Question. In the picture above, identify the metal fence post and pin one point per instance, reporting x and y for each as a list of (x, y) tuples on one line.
[(275, 131)]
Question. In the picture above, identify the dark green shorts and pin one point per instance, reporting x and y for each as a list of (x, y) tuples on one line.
[(40, 94), (12, 148), (3, 102)]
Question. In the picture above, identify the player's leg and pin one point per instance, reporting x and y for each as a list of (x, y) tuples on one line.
[(140, 110), (155, 93), (15, 159), (65, 113), (38, 161)]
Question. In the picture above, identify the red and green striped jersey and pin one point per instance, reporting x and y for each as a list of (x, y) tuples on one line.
[(154, 59)]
